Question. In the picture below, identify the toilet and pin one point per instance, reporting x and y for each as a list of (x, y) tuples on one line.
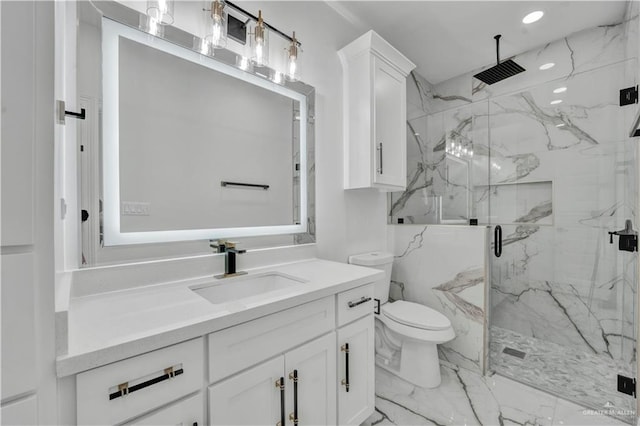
[(407, 333)]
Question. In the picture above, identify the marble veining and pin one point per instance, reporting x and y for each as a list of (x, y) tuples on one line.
[(468, 398), (444, 269), (590, 380)]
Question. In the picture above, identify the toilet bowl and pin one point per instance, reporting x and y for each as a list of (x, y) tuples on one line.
[(407, 333)]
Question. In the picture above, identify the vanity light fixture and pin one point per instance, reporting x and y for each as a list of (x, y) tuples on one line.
[(556, 102), (547, 66), (560, 90), (160, 12), (218, 36), (560, 125), (260, 42), (292, 59), (533, 17)]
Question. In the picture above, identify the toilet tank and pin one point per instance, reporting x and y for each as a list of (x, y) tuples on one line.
[(378, 260)]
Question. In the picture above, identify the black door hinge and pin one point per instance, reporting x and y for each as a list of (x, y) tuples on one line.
[(629, 96), (627, 385)]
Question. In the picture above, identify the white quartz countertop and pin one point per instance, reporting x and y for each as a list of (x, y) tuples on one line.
[(108, 327)]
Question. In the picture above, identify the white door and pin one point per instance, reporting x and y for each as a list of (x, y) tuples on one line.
[(315, 367), (249, 398), (188, 412), (356, 403), (390, 135)]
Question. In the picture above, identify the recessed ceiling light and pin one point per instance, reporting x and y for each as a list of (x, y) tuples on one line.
[(556, 102), (547, 66), (533, 17), (560, 90)]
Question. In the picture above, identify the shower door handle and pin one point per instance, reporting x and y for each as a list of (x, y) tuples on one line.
[(497, 241)]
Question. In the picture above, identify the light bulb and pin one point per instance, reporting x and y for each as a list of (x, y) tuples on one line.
[(218, 37), (292, 59), (260, 42)]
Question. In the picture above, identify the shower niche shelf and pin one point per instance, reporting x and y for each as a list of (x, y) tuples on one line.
[(516, 203)]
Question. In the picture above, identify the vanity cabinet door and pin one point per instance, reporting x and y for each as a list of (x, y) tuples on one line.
[(314, 364), (389, 136), (356, 348), (249, 398), (188, 412)]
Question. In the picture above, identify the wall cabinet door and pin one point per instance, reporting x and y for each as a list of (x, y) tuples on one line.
[(188, 412), (315, 365), (389, 138), (356, 404), (249, 398)]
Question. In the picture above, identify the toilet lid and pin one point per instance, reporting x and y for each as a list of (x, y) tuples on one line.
[(416, 315)]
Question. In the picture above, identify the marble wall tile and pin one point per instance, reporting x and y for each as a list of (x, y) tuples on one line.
[(443, 267)]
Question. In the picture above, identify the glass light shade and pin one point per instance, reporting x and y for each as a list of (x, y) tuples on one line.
[(260, 43), (217, 35), (161, 11), (292, 65), (151, 26), (202, 46)]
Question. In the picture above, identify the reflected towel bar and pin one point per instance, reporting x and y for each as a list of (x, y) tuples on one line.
[(249, 185)]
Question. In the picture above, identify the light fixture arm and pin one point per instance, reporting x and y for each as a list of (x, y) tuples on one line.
[(266, 24)]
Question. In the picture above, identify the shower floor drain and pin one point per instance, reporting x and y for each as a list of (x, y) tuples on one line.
[(514, 352)]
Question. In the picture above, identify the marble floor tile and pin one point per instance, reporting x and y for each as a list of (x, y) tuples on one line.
[(468, 398), (588, 379), (570, 414)]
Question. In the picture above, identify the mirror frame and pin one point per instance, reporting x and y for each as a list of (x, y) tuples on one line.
[(119, 21)]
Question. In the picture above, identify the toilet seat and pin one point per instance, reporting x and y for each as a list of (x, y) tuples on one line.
[(416, 315)]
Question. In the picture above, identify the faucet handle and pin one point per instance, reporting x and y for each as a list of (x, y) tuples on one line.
[(231, 246), (220, 245)]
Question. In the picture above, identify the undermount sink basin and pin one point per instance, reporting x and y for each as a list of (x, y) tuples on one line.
[(229, 289)]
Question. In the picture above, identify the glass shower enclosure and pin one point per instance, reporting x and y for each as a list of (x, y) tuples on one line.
[(562, 177)]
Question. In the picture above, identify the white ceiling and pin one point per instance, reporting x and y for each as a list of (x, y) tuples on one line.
[(449, 38)]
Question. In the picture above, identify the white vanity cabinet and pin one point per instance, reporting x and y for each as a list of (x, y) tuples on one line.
[(124, 390), (285, 367), (297, 385), (374, 76), (356, 347)]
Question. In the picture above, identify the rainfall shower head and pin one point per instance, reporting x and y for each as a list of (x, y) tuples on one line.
[(500, 71)]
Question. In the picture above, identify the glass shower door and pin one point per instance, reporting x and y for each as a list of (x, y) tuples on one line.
[(562, 176)]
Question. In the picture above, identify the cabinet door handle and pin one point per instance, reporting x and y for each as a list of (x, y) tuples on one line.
[(345, 382), (294, 416), (280, 385), (133, 386), (362, 300), (379, 149)]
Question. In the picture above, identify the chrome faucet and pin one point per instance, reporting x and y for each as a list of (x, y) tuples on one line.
[(230, 251)]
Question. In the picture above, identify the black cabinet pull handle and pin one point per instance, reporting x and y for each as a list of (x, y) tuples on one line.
[(362, 300), (345, 382), (294, 416), (497, 241), (126, 388), (280, 385)]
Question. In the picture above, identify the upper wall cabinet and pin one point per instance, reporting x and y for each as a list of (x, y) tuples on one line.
[(375, 114)]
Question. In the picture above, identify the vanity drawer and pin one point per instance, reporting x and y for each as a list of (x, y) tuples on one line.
[(247, 344), (355, 303), (122, 390)]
